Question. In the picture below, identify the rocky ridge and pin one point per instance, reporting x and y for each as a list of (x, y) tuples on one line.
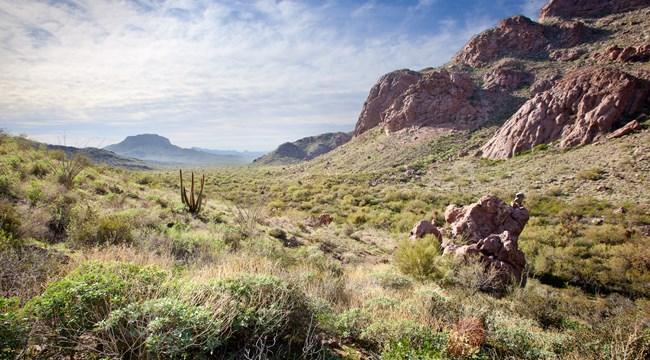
[(567, 9), (585, 62), (304, 149)]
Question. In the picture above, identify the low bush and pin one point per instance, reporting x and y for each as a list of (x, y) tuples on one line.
[(390, 281), (381, 333), (510, 336), (6, 187), (9, 221), (160, 328), (89, 229), (592, 174), (266, 312), (74, 305), (420, 258), (14, 329), (278, 233), (403, 349)]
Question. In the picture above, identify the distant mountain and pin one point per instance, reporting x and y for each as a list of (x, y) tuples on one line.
[(304, 149), (245, 154), (105, 157), (159, 149)]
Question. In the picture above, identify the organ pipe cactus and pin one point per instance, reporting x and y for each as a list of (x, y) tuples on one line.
[(194, 206)]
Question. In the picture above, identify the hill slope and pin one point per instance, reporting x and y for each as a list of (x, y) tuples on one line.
[(304, 149), (107, 157)]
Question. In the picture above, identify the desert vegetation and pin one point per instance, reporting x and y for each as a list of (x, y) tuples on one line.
[(112, 263)]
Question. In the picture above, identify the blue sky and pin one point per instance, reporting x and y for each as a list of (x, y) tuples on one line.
[(244, 75)]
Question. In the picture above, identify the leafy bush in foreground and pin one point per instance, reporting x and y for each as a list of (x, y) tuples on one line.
[(160, 328), (13, 329), (267, 313), (73, 305)]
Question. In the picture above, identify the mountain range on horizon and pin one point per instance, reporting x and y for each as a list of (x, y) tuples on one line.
[(159, 150)]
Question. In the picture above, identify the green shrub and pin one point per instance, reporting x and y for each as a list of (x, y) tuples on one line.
[(39, 169), (278, 233), (350, 323), (161, 328), (9, 227), (14, 329), (70, 307), (35, 193), (382, 332), (6, 187), (392, 281), (114, 230), (89, 229), (67, 166), (590, 174), (515, 337), (420, 258), (264, 311), (403, 349)]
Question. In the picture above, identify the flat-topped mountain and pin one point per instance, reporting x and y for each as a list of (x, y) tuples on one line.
[(304, 149), (159, 149)]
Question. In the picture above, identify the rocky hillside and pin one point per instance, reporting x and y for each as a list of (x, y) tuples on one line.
[(569, 79), (304, 149), (100, 156), (158, 149)]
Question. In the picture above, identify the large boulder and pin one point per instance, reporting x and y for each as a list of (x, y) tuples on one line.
[(488, 230), (490, 215), (423, 228), (577, 110)]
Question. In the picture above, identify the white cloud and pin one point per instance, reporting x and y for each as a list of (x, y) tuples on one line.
[(154, 65)]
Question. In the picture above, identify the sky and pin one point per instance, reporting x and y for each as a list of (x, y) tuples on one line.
[(237, 75)]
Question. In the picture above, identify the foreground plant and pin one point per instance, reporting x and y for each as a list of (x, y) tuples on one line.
[(68, 166)]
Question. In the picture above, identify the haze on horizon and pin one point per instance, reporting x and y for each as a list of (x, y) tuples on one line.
[(241, 75)]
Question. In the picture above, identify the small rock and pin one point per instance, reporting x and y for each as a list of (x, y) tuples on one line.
[(423, 228), (602, 188), (627, 129), (620, 210), (597, 221)]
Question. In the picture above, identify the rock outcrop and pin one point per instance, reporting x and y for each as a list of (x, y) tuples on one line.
[(577, 110), (639, 53), (406, 99), (504, 78), (382, 95), (489, 230), (550, 79), (567, 9), (519, 36)]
